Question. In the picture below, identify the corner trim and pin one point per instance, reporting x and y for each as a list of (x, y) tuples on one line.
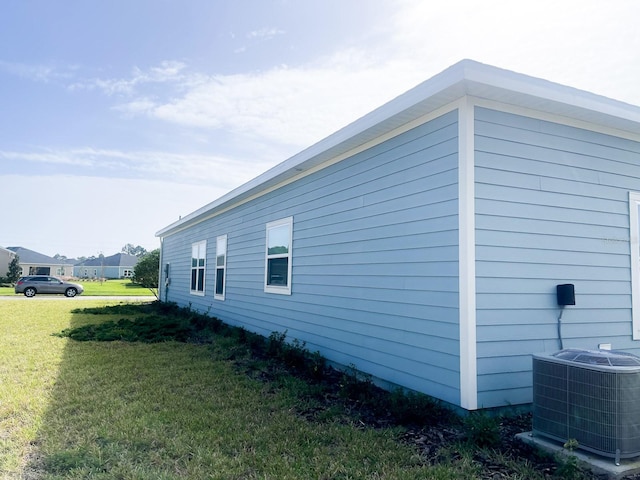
[(634, 243), (467, 256)]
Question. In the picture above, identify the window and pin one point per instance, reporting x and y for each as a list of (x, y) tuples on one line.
[(221, 263), (198, 264), (127, 273), (278, 256)]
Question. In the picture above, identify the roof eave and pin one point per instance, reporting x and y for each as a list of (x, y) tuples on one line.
[(464, 78)]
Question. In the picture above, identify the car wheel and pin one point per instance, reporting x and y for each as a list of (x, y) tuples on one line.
[(29, 292), (71, 292)]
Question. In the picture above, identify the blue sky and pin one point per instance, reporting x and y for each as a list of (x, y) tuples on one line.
[(117, 117)]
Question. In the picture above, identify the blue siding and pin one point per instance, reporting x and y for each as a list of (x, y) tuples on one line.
[(551, 208), (375, 261)]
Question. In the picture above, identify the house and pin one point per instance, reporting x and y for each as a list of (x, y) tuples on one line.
[(6, 256), (120, 265), (34, 263), (424, 242)]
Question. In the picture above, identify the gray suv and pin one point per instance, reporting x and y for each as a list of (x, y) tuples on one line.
[(45, 284)]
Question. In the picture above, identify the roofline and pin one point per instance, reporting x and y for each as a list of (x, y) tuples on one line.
[(465, 78)]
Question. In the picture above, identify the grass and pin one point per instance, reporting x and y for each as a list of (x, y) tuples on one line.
[(108, 288), (169, 410), (220, 404)]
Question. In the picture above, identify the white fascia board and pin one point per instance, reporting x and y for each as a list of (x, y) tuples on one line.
[(493, 83)]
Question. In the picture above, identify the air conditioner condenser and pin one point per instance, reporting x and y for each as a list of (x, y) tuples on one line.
[(591, 396)]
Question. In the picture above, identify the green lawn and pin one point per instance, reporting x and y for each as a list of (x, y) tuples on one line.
[(116, 410), (108, 287), (225, 405)]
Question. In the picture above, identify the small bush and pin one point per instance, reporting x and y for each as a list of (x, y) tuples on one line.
[(357, 386), (414, 408), (482, 429), (153, 328)]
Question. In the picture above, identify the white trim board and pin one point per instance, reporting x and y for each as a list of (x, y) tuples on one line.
[(467, 257), (634, 242)]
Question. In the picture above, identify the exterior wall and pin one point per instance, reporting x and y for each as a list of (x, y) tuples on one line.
[(551, 208), (54, 269), (375, 261), (5, 259), (104, 272)]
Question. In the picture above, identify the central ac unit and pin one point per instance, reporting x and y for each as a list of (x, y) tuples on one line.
[(591, 396)]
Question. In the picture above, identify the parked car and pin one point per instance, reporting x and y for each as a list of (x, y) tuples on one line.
[(34, 284)]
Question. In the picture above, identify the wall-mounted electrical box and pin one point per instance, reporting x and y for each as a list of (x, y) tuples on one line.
[(566, 294)]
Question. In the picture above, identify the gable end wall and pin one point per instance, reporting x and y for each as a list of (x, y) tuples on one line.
[(551, 208)]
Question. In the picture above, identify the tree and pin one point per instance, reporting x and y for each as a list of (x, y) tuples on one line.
[(146, 271), (138, 251), (14, 270), (57, 256)]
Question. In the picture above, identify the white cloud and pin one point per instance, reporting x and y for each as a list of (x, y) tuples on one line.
[(266, 33), (291, 106), (167, 71), (220, 172), (38, 72)]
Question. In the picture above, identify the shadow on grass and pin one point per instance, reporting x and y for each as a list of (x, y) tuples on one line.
[(152, 391), (140, 388)]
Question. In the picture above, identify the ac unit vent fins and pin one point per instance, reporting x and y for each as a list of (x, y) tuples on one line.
[(592, 396)]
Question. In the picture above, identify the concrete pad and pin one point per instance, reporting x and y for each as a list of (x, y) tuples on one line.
[(598, 464)]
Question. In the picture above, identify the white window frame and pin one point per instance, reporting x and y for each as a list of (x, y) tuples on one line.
[(221, 265), (634, 242), (271, 226), (199, 249)]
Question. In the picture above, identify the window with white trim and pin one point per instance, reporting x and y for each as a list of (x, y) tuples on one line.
[(634, 230), (278, 256), (221, 264), (198, 266)]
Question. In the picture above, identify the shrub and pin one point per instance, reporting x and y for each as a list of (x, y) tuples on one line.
[(414, 408), (482, 429)]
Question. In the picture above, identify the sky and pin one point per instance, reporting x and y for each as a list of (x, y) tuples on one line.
[(119, 117)]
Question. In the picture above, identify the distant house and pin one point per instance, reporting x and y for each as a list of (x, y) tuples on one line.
[(424, 242), (5, 259), (34, 263), (120, 265)]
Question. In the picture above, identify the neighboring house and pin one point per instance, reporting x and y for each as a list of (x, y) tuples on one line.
[(5, 259), (423, 243), (34, 263), (120, 265)]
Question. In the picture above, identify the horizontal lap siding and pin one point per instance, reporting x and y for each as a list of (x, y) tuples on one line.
[(551, 208), (375, 261)]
